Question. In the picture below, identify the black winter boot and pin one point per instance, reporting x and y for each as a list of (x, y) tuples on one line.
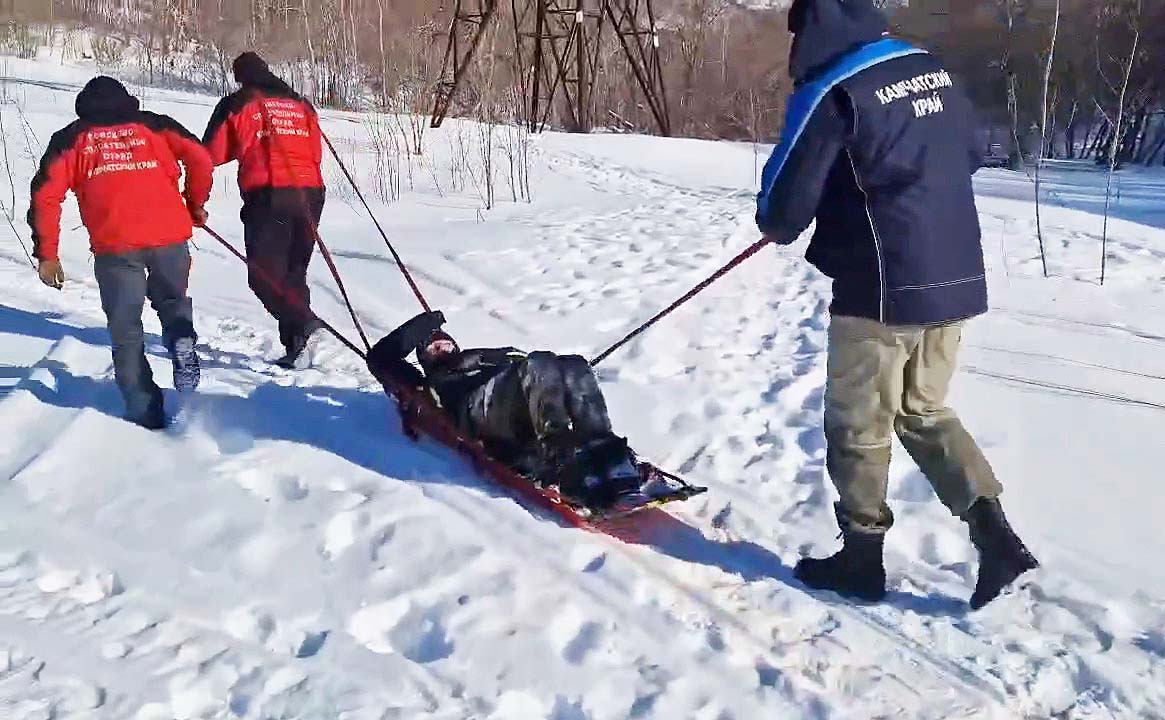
[(601, 472), (186, 366), (301, 348), (1002, 555), (155, 416), (855, 571)]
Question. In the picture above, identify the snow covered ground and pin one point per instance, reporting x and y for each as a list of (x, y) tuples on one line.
[(290, 555)]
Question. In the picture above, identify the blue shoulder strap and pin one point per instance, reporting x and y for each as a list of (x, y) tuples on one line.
[(806, 98)]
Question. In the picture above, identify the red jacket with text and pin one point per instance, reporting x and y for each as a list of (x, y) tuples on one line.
[(273, 133), (123, 166)]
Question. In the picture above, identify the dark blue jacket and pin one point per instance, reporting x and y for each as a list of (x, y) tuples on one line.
[(879, 147)]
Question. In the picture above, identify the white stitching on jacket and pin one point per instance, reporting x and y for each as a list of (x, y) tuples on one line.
[(937, 285), (877, 240)]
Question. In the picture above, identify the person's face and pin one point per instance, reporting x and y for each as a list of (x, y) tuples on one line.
[(439, 348)]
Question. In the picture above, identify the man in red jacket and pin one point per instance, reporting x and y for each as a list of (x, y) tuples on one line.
[(123, 166), (275, 135)]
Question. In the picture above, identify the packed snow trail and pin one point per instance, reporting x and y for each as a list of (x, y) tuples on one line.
[(291, 554)]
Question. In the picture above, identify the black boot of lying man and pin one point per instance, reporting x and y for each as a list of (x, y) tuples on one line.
[(601, 473)]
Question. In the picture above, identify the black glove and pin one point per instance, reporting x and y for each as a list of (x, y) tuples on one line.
[(777, 237), (400, 342)]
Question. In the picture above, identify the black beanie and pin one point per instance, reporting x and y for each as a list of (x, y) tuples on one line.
[(104, 99), (250, 69)]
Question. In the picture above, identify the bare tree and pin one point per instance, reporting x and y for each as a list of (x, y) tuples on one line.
[(10, 210), (1134, 21), (1012, 94), (1044, 139)]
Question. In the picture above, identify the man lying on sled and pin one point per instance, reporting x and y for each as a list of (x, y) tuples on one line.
[(540, 413)]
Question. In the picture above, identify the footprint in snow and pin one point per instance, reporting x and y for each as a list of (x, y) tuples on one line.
[(398, 626)]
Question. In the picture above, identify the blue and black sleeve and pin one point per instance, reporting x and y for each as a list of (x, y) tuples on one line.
[(794, 176)]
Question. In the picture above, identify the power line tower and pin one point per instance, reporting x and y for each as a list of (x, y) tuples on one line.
[(556, 55)]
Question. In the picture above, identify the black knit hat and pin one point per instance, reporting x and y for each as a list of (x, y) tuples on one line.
[(104, 99), (250, 69)]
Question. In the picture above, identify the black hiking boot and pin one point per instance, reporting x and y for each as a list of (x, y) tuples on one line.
[(1002, 555), (855, 571), (154, 418), (187, 371), (301, 352)]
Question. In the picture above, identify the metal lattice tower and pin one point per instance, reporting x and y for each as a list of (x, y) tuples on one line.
[(556, 54), (470, 20)]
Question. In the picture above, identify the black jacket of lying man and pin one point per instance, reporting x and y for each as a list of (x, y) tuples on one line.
[(541, 413)]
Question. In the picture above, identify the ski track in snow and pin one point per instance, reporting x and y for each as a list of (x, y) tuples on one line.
[(289, 554)]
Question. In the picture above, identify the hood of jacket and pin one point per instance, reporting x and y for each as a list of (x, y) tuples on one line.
[(824, 30)]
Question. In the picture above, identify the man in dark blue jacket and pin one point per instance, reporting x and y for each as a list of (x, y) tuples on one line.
[(879, 148)]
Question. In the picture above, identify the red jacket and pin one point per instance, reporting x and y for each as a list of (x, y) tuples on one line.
[(273, 133), (123, 168)]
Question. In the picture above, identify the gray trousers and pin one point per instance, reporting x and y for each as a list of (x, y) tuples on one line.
[(125, 281), (884, 380)]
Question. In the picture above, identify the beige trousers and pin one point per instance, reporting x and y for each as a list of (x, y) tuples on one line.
[(894, 379)]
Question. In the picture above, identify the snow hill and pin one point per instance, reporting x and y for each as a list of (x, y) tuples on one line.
[(291, 555)]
